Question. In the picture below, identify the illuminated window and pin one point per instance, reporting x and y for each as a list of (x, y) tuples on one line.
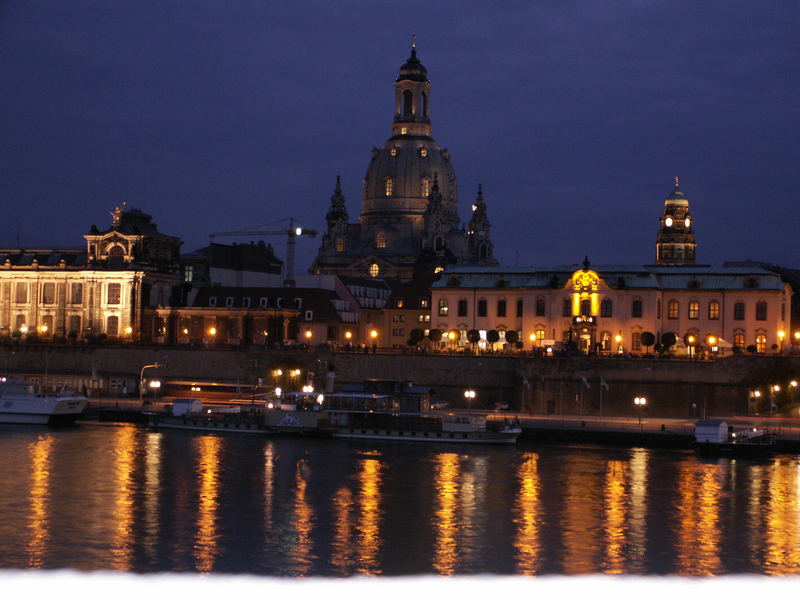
[(605, 341), (393, 152), (112, 326), (114, 291), (188, 273), (403, 130), (389, 186), (694, 309), (400, 303), (636, 341), (606, 308), (423, 303), (340, 244), (540, 334), (22, 293), (47, 322), (761, 343), (423, 152), (636, 309), (673, 309), (738, 341), (374, 269), (49, 293), (380, 240), (713, 310), (443, 307), (423, 318), (738, 311), (761, 311), (426, 187)]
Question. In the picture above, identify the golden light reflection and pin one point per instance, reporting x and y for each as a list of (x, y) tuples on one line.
[(582, 518), (269, 486), (152, 482), (343, 548), (369, 539), (124, 468), (616, 502), (637, 517), (472, 497), (526, 520), (782, 520), (698, 535), (41, 456), (206, 536), (303, 522), (446, 524)]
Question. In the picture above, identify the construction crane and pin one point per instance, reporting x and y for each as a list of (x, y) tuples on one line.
[(291, 233)]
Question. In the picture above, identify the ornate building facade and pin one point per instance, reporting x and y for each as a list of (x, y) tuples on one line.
[(409, 224), (102, 290)]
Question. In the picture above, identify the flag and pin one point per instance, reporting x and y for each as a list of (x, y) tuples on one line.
[(586, 383), (603, 383)]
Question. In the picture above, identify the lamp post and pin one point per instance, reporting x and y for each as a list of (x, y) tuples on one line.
[(781, 335), (773, 389), (618, 340), (373, 334), (141, 380), (469, 396), (640, 401)]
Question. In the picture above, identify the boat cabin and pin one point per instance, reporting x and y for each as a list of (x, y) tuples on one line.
[(711, 431)]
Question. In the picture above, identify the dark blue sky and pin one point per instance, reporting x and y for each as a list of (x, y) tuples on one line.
[(575, 116)]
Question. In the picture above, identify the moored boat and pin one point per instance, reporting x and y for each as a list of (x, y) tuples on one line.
[(715, 438), (18, 405), (189, 414)]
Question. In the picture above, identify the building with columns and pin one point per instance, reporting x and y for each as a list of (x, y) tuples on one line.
[(409, 224), (103, 289)]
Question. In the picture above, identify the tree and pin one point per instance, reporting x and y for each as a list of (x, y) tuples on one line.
[(492, 336), (473, 336), (648, 339), (512, 337), (435, 335), (668, 340), (416, 336)]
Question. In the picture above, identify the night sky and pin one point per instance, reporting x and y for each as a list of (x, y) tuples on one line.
[(219, 115)]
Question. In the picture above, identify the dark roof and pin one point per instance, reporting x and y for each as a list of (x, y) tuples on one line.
[(413, 69), (19, 257), (320, 301)]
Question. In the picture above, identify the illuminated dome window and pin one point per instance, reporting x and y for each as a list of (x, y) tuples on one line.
[(667, 221), (374, 269), (393, 152), (423, 152)]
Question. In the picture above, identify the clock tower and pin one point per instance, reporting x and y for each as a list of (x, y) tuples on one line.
[(675, 244)]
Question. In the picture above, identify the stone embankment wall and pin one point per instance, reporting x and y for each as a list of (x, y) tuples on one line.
[(579, 385)]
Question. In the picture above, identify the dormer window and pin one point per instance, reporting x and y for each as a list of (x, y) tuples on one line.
[(247, 302), (393, 151), (388, 186), (400, 303), (423, 152), (380, 240), (374, 269), (298, 303), (263, 302), (229, 301), (340, 244), (212, 301), (426, 187)]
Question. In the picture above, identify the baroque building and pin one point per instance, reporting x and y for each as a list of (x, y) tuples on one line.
[(675, 244), (103, 289), (409, 224)]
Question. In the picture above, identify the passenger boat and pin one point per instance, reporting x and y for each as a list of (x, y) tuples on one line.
[(715, 438), (189, 414), (19, 405), (387, 416)]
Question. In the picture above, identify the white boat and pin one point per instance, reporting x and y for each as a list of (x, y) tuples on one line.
[(189, 414), (19, 405)]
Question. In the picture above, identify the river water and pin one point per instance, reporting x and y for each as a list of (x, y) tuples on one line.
[(125, 498)]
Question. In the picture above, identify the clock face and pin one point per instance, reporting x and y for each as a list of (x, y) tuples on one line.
[(687, 222), (668, 221)]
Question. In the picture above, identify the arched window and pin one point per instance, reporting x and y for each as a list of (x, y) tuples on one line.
[(116, 257), (501, 308), (438, 244), (462, 308), (380, 240), (112, 325), (426, 187), (694, 309), (673, 309), (408, 103), (47, 325), (761, 343), (636, 309), (374, 269), (443, 307), (636, 341), (424, 104), (388, 186), (586, 307), (340, 244), (606, 308), (539, 306), (483, 251), (761, 311), (423, 152), (713, 310), (738, 311), (566, 307)]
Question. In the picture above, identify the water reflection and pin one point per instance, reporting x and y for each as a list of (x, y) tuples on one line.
[(637, 516), (369, 541), (698, 535), (582, 517), (782, 520), (342, 546), (152, 491), (126, 440), (40, 453), (303, 522), (616, 508), (446, 486), (206, 536), (527, 517)]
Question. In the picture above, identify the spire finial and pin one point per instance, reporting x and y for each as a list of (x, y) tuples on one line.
[(586, 262), (413, 40), (676, 181)]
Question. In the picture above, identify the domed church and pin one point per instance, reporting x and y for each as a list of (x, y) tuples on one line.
[(409, 225)]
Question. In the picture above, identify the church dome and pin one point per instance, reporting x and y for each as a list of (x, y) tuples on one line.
[(413, 69)]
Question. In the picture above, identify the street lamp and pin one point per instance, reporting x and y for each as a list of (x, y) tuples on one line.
[(773, 389), (640, 401), (141, 380), (469, 396), (781, 335), (618, 339)]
